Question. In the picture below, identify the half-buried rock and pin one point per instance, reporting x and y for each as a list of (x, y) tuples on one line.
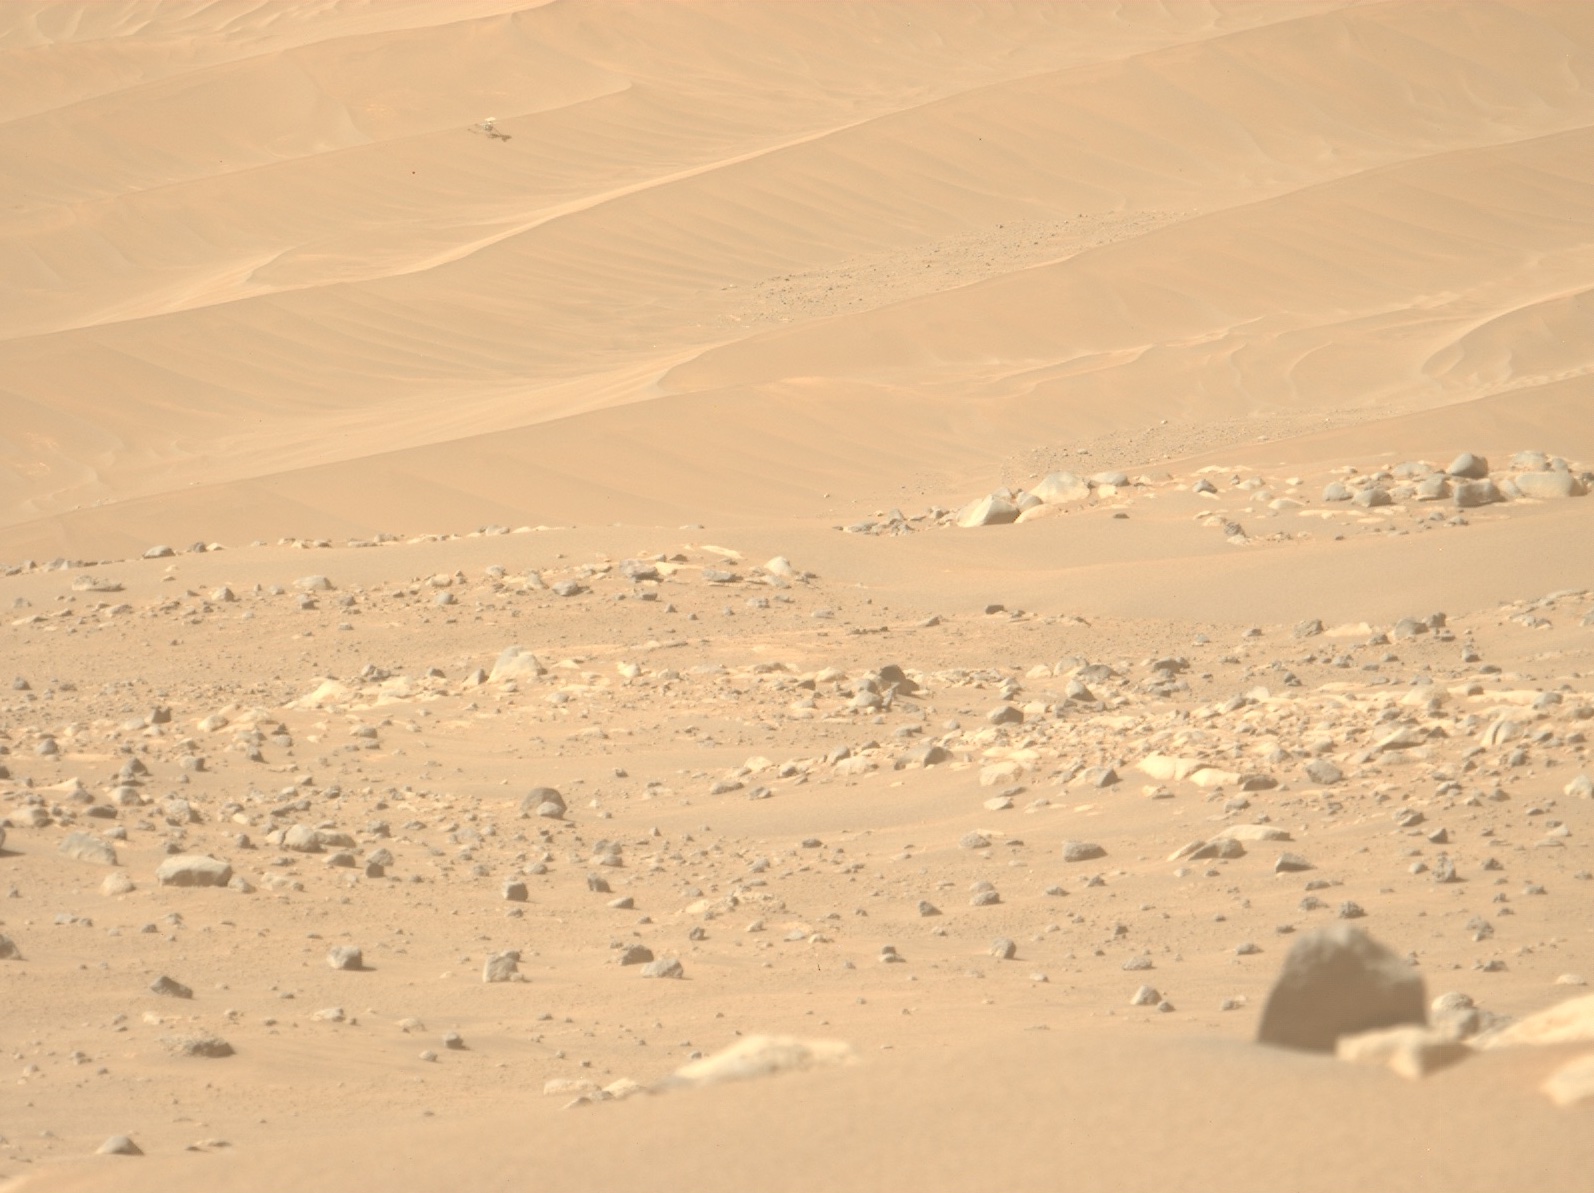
[(192, 869), (87, 848), (545, 802), (1339, 981)]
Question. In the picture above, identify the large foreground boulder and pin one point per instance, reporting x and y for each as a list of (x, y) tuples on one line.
[(1339, 981)]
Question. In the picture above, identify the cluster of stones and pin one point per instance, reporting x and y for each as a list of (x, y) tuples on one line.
[(1466, 482), (1057, 490)]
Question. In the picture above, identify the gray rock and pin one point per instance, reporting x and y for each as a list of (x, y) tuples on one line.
[(1433, 488), (1375, 495), (119, 1145), (545, 802), (1469, 466), (664, 967), (301, 838), (1005, 714), (1339, 981), (1471, 494), (926, 908), (1290, 863), (87, 848), (973, 840), (1061, 488), (170, 987), (160, 552), (1549, 485), (1082, 851), (345, 956), (1111, 477), (501, 967), (1321, 770), (1145, 996), (192, 869), (1335, 491), (925, 756), (636, 954), (1003, 949), (8, 949), (1309, 629), (515, 890)]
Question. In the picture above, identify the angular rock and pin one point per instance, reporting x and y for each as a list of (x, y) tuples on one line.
[(501, 967), (87, 848), (1321, 770), (170, 987), (1469, 466), (664, 967), (1413, 1052), (516, 662), (1061, 488), (1472, 494), (1435, 487), (345, 956), (119, 1145), (192, 869), (1253, 832), (1339, 981), (8, 949), (116, 883), (987, 511)]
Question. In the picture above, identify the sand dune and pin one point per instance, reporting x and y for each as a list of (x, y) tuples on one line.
[(671, 342)]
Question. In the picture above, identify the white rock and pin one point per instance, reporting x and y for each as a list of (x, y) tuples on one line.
[(516, 662), (1253, 832), (1413, 1052), (1062, 488), (760, 1056), (1570, 1022)]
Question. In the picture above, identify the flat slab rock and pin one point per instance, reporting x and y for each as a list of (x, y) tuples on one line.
[(1413, 1052), (1337, 982), (761, 1056), (193, 869)]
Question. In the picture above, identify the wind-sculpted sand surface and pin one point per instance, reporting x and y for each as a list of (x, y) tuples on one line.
[(796, 596)]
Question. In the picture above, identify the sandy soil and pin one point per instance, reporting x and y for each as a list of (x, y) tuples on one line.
[(344, 346)]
